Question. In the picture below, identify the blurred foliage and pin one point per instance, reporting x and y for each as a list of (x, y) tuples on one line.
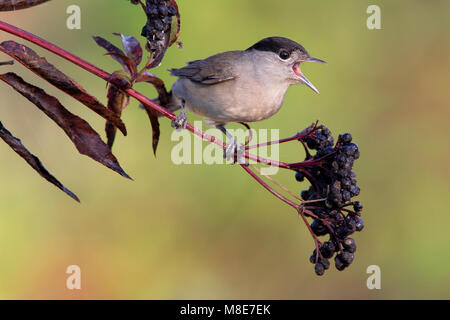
[(210, 231)]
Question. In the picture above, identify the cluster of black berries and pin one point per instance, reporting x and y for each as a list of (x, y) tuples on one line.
[(329, 199), (159, 20)]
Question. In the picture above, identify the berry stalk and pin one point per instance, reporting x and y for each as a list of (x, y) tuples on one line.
[(329, 170), (133, 93)]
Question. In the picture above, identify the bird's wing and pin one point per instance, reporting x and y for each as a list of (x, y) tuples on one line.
[(212, 70)]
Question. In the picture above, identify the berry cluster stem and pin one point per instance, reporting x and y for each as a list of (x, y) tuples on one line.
[(148, 103), (138, 96)]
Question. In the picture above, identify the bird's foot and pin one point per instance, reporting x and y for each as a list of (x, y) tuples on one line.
[(234, 152), (181, 120)]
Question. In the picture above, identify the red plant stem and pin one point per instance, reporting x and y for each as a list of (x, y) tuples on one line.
[(265, 144), (148, 102), (138, 96), (268, 188), (297, 207), (301, 211), (77, 61), (276, 183)]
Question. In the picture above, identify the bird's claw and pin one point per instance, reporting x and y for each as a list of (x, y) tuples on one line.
[(234, 150), (180, 121)]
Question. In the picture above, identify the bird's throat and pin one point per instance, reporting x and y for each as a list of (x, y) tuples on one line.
[(297, 70)]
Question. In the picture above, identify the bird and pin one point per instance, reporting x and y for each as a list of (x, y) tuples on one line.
[(240, 86)]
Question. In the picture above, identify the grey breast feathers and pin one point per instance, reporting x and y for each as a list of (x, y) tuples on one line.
[(212, 70)]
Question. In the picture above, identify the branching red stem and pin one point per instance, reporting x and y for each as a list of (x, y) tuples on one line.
[(133, 93), (151, 104), (298, 136), (268, 188)]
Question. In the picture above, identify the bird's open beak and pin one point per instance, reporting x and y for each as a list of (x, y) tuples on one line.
[(309, 84), (312, 59), (303, 78)]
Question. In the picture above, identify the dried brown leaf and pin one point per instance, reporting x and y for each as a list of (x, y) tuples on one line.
[(12, 5), (121, 79), (176, 25), (32, 160), (108, 46), (86, 140), (130, 66), (47, 71), (132, 48), (117, 54), (156, 132), (158, 83), (163, 99), (116, 99)]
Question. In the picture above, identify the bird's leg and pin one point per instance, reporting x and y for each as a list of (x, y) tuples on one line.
[(181, 120), (233, 148)]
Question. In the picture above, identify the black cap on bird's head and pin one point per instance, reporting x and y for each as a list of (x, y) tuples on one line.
[(285, 48), (276, 44)]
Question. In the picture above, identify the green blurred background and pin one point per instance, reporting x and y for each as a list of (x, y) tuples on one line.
[(198, 231)]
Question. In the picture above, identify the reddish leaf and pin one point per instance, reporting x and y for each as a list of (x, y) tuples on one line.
[(47, 71), (121, 79), (156, 132), (153, 79), (130, 66), (108, 46), (116, 100), (132, 48), (163, 99), (12, 5), (176, 25), (117, 54), (86, 140), (32, 160)]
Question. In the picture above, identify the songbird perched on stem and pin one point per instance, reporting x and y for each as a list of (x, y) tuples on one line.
[(240, 86)]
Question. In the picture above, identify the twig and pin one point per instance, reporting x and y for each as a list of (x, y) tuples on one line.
[(135, 94), (6, 63), (277, 184)]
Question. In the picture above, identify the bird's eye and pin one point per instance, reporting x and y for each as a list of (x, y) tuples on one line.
[(284, 54)]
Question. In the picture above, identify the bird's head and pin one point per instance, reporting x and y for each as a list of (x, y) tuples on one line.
[(282, 59)]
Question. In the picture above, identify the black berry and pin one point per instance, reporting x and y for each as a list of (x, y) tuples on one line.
[(338, 263), (299, 176), (333, 180), (319, 269), (359, 224), (349, 245)]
